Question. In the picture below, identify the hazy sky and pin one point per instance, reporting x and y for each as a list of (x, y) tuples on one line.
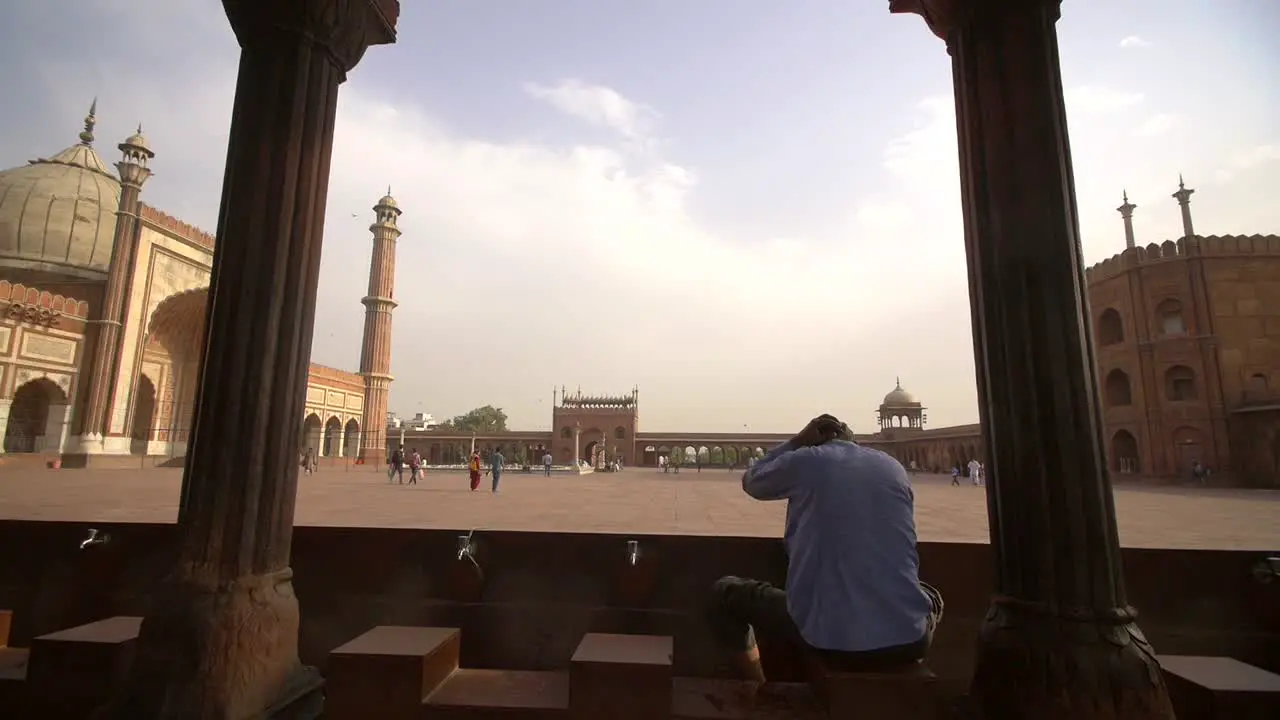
[(749, 208)]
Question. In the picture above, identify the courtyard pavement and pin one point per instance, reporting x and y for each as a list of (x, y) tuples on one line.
[(637, 500)]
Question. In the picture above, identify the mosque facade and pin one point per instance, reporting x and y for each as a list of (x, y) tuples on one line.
[(102, 319)]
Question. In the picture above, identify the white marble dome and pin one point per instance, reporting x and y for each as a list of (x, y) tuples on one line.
[(900, 398), (58, 214)]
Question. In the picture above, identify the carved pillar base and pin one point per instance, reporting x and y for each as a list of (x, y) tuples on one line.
[(1035, 664), (217, 652)]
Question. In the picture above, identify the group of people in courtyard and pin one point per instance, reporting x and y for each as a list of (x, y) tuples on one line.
[(411, 459)]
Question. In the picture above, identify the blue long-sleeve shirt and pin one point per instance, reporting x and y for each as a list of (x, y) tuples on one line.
[(853, 579)]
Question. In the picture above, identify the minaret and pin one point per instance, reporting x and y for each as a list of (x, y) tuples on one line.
[(1126, 212), (1183, 196), (375, 353), (134, 169)]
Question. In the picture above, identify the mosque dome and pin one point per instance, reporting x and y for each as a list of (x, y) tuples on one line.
[(58, 214), (900, 398)]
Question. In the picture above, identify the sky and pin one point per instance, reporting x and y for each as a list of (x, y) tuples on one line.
[(747, 208)]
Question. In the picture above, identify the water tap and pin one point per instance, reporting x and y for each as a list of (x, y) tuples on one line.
[(94, 538), (633, 552), (466, 549), (1267, 570)]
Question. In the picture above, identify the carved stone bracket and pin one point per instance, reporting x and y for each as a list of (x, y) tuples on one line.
[(344, 29), (33, 315)]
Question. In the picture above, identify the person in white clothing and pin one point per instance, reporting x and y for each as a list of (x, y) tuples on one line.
[(975, 468)]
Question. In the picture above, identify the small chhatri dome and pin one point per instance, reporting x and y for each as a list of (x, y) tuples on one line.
[(137, 141), (58, 214), (387, 201), (899, 397)]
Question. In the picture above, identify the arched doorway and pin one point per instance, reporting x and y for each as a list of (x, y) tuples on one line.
[(311, 435), (351, 439), (28, 429), (589, 452), (144, 412), (175, 341), (1124, 453), (332, 437), (1188, 449)]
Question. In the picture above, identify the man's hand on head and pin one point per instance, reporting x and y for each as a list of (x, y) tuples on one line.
[(820, 430)]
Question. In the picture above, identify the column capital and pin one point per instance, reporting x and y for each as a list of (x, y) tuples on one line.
[(944, 16), (343, 28)]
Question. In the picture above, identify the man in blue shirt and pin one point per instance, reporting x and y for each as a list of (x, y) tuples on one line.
[(853, 588), (496, 463)]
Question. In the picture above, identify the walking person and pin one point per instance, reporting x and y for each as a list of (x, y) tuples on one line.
[(975, 467), (415, 466), (496, 463), (474, 469), (955, 475), (395, 466), (546, 463)]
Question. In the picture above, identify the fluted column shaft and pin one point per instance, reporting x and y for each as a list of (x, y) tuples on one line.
[(220, 641), (1059, 642), (102, 376)]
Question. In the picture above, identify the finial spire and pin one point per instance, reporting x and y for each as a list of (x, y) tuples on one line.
[(1181, 185), (86, 136), (1126, 212), (897, 381), (388, 188)]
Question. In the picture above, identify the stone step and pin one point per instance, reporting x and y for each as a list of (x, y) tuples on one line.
[(621, 677), (907, 692), (388, 671), (13, 685), (1218, 688), (500, 695), (6, 622), (71, 672), (718, 699)]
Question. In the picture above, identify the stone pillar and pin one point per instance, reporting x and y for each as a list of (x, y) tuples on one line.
[(1183, 196), (577, 447), (5, 404), (1059, 641), (220, 641)]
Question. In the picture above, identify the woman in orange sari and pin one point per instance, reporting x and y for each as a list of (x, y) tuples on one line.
[(475, 470)]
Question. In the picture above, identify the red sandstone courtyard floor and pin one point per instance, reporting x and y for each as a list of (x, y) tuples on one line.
[(634, 501)]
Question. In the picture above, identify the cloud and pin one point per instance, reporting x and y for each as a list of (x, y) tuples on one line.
[(1157, 124), (1130, 42), (598, 105), (1246, 160)]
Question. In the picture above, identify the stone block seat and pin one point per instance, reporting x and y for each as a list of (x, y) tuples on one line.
[(623, 677), (13, 667), (73, 671), (1218, 688), (388, 671), (908, 692)]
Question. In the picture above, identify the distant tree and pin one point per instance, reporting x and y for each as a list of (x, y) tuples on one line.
[(487, 419)]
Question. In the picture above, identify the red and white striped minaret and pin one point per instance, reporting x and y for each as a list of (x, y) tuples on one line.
[(375, 353)]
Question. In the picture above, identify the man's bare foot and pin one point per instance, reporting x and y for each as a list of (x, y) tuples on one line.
[(748, 667)]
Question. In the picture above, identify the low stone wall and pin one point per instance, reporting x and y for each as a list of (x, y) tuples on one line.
[(543, 591)]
